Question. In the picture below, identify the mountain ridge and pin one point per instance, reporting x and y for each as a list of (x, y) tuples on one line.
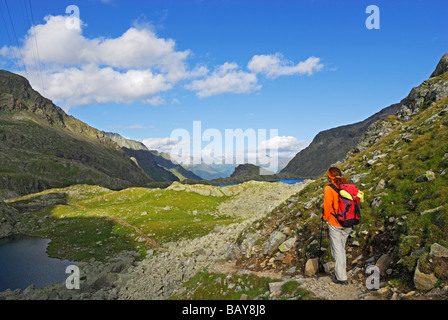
[(42, 147), (156, 164), (330, 146)]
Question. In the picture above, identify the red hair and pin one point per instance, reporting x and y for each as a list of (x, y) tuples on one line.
[(335, 175)]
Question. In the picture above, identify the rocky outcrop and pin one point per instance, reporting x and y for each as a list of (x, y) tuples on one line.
[(8, 220), (442, 66), (422, 96), (249, 170)]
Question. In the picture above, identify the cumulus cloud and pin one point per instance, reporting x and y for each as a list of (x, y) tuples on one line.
[(159, 144), (286, 147), (275, 65), (136, 66), (93, 84), (226, 78), (77, 70)]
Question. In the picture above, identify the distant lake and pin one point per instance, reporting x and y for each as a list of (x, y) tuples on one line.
[(288, 181), (24, 261)]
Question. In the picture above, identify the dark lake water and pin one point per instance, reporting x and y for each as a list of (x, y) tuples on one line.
[(24, 261)]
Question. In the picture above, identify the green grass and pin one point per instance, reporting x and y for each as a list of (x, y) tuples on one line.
[(93, 222)]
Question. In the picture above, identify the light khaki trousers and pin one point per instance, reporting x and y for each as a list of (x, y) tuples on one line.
[(338, 238)]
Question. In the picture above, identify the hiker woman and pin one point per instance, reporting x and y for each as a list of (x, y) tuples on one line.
[(338, 235)]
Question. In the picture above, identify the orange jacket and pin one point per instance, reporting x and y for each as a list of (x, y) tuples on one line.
[(331, 205)]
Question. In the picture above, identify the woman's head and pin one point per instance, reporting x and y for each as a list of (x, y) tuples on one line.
[(335, 175)]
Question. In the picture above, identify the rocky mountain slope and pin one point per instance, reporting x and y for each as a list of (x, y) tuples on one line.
[(163, 160), (331, 145), (157, 165), (42, 147), (401, 163), (337, 142)]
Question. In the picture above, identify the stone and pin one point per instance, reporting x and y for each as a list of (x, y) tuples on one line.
[(383, 263), (287, 245), (438, 251), (409, 294), (291, 270), (311, 267), (329, 267), (428, 176), (371, 163), (382, 292), (423, 281), (381, 185), (376, 202), (395, 296), (276, 287), (357, 259), (287, 259), (274, 242), (233, 252), (354, 243)]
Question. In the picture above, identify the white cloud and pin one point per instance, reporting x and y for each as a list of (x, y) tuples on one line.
[(159, 144), (139, 47), (74, 87), (77, 70), (276, 65), (226, 78), (287, 147), (137, 66)]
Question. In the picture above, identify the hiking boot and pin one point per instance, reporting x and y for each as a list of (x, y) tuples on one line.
[(342, 282)]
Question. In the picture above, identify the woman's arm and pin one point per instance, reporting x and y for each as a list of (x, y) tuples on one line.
[(328, 203)]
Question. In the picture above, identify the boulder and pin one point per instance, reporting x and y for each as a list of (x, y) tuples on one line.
[(428, 176), (274, 242), (438, 251), (276, 287), (233, 252), (287, 245), (423, 281), (311, 267), (383, 263)]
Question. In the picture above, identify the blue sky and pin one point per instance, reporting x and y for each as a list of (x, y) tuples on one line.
[(297, 66)]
